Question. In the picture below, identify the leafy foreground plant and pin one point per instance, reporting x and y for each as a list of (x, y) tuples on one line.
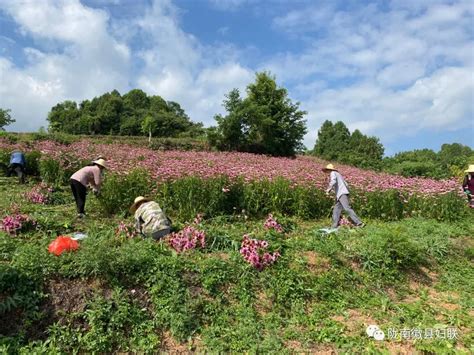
[(120, 294)]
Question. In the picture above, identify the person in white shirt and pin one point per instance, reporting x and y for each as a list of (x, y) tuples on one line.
[(339, 185)]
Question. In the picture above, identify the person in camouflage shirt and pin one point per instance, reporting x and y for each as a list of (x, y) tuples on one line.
[(150, 219)]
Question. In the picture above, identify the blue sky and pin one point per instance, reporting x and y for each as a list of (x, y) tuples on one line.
[(401, 70)]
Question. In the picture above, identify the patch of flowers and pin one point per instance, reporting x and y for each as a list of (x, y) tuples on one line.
[(343, 221), (188, 238), (272, 224), (127, 229), (303, 170), (40, 194), (12, 224), (255, 252)]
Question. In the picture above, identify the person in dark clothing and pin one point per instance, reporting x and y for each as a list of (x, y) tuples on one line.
[(468, 185), (17, 166)]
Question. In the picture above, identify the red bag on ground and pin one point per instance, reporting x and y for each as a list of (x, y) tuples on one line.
[(62, 244)]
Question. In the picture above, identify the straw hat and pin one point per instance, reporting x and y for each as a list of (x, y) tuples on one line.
[(138, 200), (100, 162), (470, 169), (329, 167)]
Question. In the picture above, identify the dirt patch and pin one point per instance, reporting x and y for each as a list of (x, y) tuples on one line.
[(315, 262), (221, 255), (64, 297), (11, 321), (142, 298), (400, 348), (263, 304), (72, 295), (296, 347), (354, 321), (68, 296), (421, 278), (447, 300), (170, 346)]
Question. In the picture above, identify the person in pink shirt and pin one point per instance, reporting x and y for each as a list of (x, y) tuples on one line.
[(81, 179)]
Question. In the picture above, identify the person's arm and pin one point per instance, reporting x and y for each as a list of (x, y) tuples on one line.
[(97, 179), (332, 182)]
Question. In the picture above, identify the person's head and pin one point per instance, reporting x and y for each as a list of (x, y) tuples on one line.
[(328, 168), (100, 163), (140, 200)]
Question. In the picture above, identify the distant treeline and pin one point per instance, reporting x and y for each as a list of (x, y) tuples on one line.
[(336, 143), (265, 121), (132, 114)]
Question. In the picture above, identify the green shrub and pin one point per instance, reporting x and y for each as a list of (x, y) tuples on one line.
[(4, 160), (56, 172), (119, 191), (50, 171), (33, 162), (187, 197), (18, 290), (386, 251), (11, 137)]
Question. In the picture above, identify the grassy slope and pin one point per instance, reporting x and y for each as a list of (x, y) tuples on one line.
[(133, 294)]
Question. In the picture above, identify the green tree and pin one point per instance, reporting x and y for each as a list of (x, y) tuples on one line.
[(112, 113), (266, 121), (231, 132), (149, 125), (364, 151), (335, 142), (454, 154), (5, 118), (64, 117)]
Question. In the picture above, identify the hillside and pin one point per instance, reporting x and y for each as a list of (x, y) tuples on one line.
[(409, 271)]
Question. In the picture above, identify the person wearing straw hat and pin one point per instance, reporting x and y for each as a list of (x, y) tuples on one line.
[(150, 220), (81, 179), (468, 184), (339, 185)]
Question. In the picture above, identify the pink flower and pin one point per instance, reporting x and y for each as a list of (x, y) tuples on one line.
[(271, 223), (14, 223), (252, 251), (187, 238)]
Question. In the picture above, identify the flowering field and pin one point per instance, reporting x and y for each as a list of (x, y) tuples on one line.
[(166, 165)]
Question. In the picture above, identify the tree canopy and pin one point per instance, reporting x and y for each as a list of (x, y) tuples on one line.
[(266, 121), (451, 160), (134, 113), (5, 118), (335, 142)]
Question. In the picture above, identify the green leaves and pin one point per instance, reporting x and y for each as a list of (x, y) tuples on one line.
[(265, 122)]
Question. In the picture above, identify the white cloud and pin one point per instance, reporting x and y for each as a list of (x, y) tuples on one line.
[(442, 101), (90, 62), (388, 73), (179, 68)]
